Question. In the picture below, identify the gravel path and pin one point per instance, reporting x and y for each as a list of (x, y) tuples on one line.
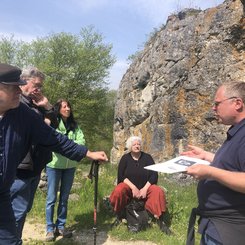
[(36, 231)]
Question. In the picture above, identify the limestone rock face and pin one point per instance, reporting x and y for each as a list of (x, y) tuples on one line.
[(166, 94)]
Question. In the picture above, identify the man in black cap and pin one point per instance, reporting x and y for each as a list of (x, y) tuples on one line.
[(9, 76), (19, 128)]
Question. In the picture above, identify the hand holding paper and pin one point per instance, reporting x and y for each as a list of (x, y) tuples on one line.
[(200, 171), (176, 165)]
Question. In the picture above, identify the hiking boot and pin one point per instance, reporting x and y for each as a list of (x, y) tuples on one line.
[(64, 233), (116, 222), (50, 236), (164, 228), (166, 217)]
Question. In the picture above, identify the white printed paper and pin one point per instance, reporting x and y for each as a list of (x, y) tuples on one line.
[(176, 165)]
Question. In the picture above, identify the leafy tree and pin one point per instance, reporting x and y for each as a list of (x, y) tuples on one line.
[(76, 68)]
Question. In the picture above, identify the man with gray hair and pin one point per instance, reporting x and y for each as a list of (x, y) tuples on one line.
[(29, 170), (32, 91), (221, 189)]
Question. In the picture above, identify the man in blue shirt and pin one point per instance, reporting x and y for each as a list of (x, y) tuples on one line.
[(221, 189), (20, 127)]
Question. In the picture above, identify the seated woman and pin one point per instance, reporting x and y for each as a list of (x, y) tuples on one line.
[(136, 182)]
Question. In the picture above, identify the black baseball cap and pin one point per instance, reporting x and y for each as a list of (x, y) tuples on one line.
[(10, 75)]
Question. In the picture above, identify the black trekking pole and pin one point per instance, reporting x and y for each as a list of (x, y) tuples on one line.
[(94, 170)]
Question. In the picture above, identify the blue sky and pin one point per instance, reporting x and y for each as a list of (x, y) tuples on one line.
[(126, 24)]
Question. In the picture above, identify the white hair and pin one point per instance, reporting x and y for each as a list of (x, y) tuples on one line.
[(131, 140)]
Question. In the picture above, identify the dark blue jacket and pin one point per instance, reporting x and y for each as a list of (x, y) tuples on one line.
[(19, 129)]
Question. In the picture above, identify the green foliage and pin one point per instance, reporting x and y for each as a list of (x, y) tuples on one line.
[(76, 68)]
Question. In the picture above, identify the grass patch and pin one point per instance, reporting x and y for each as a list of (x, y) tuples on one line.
[(181, 199)]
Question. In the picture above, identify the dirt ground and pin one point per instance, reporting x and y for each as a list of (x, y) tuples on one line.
[(34, 231)]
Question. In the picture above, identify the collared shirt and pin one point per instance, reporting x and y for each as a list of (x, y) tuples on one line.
[(21, 127), (211, 194)]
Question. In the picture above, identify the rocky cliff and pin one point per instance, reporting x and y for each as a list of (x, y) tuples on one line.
[(166, 94)]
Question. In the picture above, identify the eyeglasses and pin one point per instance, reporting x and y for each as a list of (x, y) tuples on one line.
[(36, 85), (217, 103)]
